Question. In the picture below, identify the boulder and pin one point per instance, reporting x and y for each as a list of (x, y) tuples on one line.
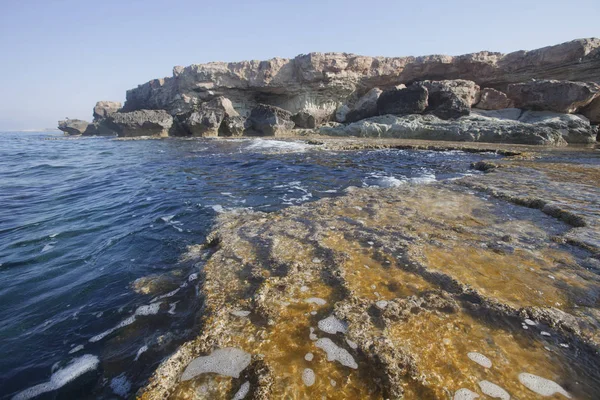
[(592, 111), (467, 91), (365, 107), (450, 98), (472, 128), (207, 119), (552, 95), (104, 108), (266, 120), (141, 123), (411, 100), (73, 126), (447, 105), (492, 99), (233, 126), (310, 119), (341, 113)]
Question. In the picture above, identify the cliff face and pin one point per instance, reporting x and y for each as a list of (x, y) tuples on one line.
[(324, 81)]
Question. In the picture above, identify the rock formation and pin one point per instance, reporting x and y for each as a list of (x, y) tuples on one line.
[(551, 95), (141, 123), (73, 126), (274, 96), (105, 108), (492, 99)]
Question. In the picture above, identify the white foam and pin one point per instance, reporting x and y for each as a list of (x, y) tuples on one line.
[(493, 390), (172, 307), (465, 394), (423, 179), (277, 146), (332, 325), (542, 386), (336, 353), (316, 300), (387, 181), (120, 385), (48, 247), (229, 361), (312, 335), (192, 277), (240, 313), (304, 289), (141, 311), (142, 350), (480, 359), (53, 235), (352, 344), (308, 377), (168, 218), (530, 322), (75, 369), (309, 356), (149, 309), (76, 349), (243, 392), (170, 294), (218, 208), (544, 333)]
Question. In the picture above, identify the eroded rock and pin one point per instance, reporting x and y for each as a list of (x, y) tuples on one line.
[(492, 99), (553, 95), (265, 120), (411, 100), (141, 123)]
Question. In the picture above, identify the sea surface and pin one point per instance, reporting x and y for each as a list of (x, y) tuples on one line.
[(81, 219)]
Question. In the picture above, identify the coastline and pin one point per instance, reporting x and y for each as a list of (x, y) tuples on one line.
[(262, 262)]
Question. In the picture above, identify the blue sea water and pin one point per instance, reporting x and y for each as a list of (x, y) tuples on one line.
[(82, 218)]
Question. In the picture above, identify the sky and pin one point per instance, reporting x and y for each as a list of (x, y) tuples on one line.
[(61, 56)]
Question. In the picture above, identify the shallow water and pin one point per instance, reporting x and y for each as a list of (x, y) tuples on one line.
[(82, 219)]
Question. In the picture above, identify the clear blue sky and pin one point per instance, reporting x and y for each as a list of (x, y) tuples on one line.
[(60, 56)]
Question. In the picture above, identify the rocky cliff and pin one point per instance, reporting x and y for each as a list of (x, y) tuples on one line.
[(329, 79), (317, 91)]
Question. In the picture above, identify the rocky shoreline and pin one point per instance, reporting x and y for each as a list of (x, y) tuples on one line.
[(548, 96), (483, 285)]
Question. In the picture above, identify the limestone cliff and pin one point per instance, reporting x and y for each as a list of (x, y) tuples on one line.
[(326, 80)]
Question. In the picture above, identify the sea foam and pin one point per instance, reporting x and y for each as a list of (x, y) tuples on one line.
[(336, 353), (75, 369), (229, 361)]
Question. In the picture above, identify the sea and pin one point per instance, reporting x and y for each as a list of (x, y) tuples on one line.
[(94, 292)]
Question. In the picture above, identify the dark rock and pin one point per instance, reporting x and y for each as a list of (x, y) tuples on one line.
[(447, 105), (304, 119), (365, 107), (412, 100), (450, 99), (552, 95), (266, 120), (592, 111), (141, 123)]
